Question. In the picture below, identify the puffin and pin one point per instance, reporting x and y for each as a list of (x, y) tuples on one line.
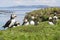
[(51, 21), (26, 22), (32, 22), (55, 18), (16, 24), (10, 22)]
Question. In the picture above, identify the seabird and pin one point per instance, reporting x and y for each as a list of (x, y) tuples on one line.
[(55, 19), (16, 24), (10, 22), (32, 20), (51, 21), (25, 22)]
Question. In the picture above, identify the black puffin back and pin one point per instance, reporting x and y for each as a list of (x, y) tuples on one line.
[(7, 24)]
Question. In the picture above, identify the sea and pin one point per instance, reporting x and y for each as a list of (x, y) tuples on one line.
[(20, 12)]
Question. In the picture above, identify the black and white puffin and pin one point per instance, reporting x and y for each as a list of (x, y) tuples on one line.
[(10, 22), (55, 18), (25, 22), (32, 20), (16, 24), (51, 21)]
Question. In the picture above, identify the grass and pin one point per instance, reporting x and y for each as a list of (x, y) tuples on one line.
[(43, 31)]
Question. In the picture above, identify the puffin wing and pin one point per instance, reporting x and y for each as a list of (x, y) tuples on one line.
[(7, 23)]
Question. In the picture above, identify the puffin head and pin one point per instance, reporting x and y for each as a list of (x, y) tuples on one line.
[(13, 16)]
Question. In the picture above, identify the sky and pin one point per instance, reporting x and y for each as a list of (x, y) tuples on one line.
[(8, 3)]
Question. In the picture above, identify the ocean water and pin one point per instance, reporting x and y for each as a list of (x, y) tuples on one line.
[(20, 16)]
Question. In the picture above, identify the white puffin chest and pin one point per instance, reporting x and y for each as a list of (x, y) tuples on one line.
[(27, 23), (13, 20), (32, 22)]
